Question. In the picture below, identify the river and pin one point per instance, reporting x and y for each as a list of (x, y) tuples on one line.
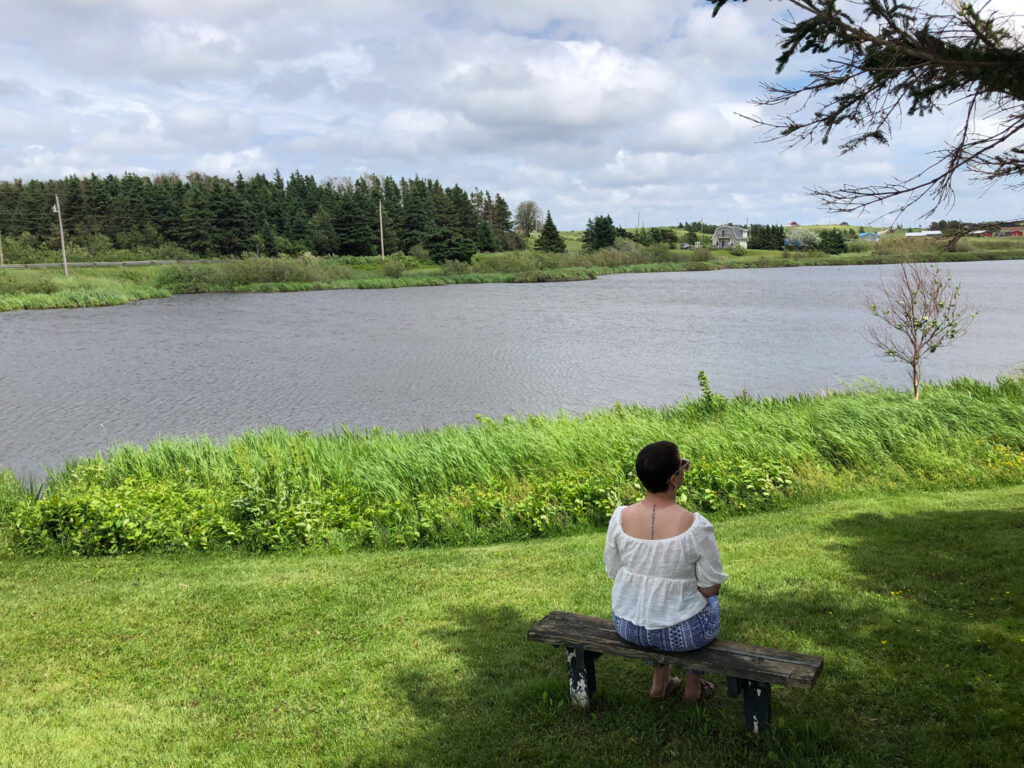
[(74, 382)]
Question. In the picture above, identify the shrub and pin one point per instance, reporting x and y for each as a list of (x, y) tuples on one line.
[(418, 252), (909, 248), (392, 268), (507, 261), (452, 267), (737, 485), (137, 514), (692, 255)]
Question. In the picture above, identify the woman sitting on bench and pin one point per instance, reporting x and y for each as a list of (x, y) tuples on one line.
[(667, 571)]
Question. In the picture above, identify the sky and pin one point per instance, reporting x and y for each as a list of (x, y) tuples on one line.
[(588, 107)]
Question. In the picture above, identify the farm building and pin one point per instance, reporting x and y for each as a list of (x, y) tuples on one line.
[(1011, 232), (729, 236), (925, 233), (868, 237)]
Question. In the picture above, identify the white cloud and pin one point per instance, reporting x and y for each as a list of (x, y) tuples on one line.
[(586, 106), (546, 85), (409, 131), (228, 164)]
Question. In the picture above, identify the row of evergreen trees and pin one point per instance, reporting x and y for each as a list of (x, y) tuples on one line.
[(774, 237), (212, 216), (770, 237)]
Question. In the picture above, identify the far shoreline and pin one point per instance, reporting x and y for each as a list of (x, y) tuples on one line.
[(121, 282)]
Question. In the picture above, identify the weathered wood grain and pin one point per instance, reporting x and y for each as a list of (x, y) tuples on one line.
[(748, 662)]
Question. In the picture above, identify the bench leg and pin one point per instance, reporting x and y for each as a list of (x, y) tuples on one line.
[(757, 702), (582, 680)]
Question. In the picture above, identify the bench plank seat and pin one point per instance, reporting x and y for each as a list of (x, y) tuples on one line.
[(750, 669), (767, 665)]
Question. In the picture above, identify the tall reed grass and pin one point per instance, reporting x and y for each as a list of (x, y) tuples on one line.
[(31, 289), (517, 477), (87, 286)]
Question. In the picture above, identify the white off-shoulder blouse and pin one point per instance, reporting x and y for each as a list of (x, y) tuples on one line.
[(656, 580)]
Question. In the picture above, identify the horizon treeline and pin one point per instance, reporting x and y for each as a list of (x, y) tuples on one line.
[(212, 216)]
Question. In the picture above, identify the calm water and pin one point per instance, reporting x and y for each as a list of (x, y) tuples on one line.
[(77, 381)]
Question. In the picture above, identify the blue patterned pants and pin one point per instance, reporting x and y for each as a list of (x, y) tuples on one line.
[(689, 635)]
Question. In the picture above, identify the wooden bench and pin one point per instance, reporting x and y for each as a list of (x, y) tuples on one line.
[(748, 668)]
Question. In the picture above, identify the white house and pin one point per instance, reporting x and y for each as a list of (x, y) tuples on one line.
[(728, 236)]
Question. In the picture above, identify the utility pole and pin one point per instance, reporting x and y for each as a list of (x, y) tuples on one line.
[(60, 223), (380, 218), (1, 249)]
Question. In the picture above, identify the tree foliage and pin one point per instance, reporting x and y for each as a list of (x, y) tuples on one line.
[(918, 311), (549, 240), (766, 236), (212, 216), (600, 233), (884, 59), (801, 238), (831, 241), (651, 235), (527, 218)]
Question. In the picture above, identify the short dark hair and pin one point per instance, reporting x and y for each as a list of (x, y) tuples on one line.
[(656, 463)]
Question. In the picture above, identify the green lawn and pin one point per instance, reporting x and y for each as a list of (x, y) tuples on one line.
[(420, 657)]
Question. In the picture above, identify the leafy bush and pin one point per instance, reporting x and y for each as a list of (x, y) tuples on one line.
[(138, 514), (508, 261), (392, 268), (306, 269), (453, 267), (736, 485)]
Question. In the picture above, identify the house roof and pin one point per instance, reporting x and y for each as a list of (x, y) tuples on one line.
[(740, 232)]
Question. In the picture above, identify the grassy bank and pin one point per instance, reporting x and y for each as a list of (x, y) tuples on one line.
[(105, 286), (518, 478), (100, 286), (420, 658)]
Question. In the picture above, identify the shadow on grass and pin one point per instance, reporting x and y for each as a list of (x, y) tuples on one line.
[(911, 676), (506, 703), (921, 638)]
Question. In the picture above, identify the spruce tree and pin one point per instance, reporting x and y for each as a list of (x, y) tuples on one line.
[(831, 241), (600, 233), (549, 239)]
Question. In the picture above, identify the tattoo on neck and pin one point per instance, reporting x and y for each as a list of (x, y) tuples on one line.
[(654, 508)]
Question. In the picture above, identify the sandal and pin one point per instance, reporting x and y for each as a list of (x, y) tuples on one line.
[(673, 685), (707, 690)]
